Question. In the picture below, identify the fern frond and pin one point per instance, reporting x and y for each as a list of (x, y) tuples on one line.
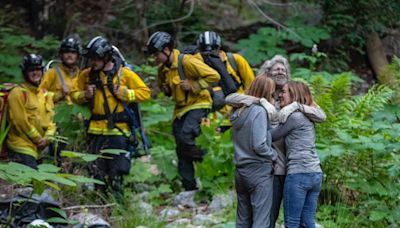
[(341, 87), (373, 100)]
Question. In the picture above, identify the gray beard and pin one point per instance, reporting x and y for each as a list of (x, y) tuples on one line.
[(280, 82)]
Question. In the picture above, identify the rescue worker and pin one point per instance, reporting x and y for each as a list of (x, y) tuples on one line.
[(30, 115), (192, 100), (210, 42), (106, 85), (61, 77)]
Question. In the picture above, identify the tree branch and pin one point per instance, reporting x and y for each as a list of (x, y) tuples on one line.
[(270, 19), (174, 20)]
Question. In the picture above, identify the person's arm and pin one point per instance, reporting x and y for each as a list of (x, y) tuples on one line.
[(161, 82), (132, 88), (237, 99), (48, 83), (79, 88), (284, 129), (200, 74), (245, 71), (259, 136), (19, 116), (315, 114), (52, 127)]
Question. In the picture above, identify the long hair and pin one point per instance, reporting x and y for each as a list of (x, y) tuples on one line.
[(262, 87), (300, 92), (267, 65)]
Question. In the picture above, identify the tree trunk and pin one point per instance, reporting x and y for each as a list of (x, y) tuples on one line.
[(376, 55), (141, 33)]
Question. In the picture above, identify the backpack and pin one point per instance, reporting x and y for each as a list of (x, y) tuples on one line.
[(5, 90), (193, 49), (225, 86)]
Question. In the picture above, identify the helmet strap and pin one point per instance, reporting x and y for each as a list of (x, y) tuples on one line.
[(168, 62)]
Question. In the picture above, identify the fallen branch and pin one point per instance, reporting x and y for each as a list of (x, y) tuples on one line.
[(88, 206)]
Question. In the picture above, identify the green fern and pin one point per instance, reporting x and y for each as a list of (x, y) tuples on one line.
[(391, 77)]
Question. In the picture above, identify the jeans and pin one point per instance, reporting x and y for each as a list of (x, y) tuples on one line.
[(254, 193), (300, 198)]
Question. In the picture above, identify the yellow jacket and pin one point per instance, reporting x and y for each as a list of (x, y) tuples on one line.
[(199, 75), (131, 89), (51, 81), (31, 118)]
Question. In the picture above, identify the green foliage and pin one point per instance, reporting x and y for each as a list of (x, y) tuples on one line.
[(391, 78), (46, 175), (217, 168), (63, 218), (70, 122), (129, 214), (4, 128), (268, 42), (15, 45), (358, 147)]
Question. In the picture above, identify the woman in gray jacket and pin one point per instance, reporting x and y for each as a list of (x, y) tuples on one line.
[(304, 174), (254, 157)]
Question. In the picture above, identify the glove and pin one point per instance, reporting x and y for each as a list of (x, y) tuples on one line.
[(272, 113), (123, 93), (286, 111)]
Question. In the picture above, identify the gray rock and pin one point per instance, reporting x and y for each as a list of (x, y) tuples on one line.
[(185, 199), (141, 227), (184, 222), (88, 219), (39, 223), (144, 196), (201, 219), (146, 208), (169, 213), (221, 201)]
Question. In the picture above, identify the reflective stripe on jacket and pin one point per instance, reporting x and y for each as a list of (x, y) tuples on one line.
[(131, 89), (31, 118)]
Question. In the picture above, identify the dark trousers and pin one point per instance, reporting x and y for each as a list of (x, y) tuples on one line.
[(279, 182), (185, 131), (254, 193), (109, 170), (24, 159)]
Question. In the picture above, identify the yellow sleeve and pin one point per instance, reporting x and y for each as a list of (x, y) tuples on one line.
[(79, 87), (52, 127), (245, 71), (49, 83), (18, 115), (201, 74), (136, 90)]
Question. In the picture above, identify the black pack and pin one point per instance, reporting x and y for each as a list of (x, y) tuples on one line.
[(225, 86)]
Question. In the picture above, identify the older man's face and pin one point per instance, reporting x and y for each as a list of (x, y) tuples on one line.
[(279, 74)]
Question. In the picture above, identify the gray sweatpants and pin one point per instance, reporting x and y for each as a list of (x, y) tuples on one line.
[(254, 184)]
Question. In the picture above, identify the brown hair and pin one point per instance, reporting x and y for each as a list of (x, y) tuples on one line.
[(262, 87), (300, 92)]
